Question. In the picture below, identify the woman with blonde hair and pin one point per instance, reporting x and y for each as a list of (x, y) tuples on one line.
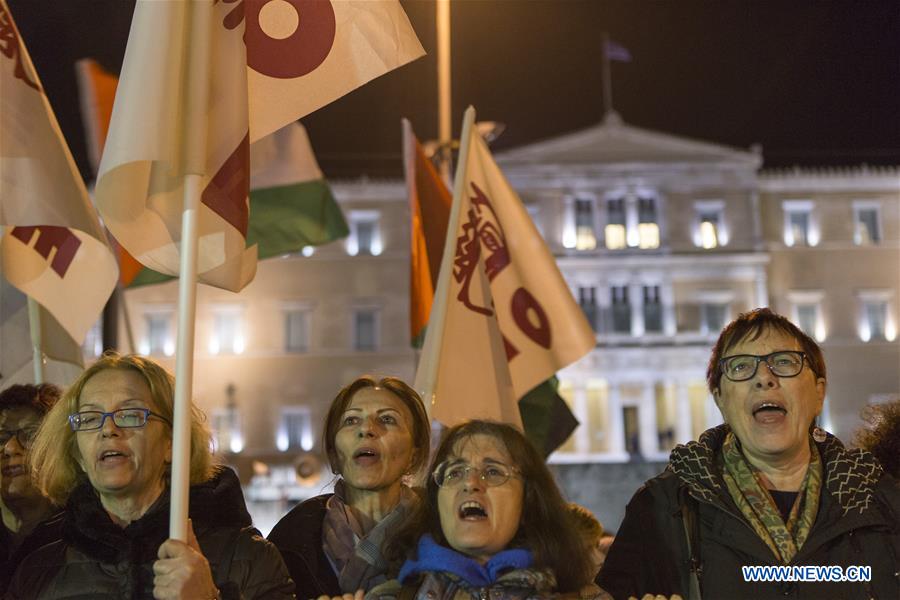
[(104, 451)]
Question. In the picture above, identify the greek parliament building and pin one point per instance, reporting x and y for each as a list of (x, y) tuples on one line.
[(662, 241)]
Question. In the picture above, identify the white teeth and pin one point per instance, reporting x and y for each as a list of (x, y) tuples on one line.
[(471, 504)]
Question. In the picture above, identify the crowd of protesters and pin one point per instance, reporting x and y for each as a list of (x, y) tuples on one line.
[(84, 477)]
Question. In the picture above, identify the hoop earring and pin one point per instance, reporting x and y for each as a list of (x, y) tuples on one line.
[(819, 435)]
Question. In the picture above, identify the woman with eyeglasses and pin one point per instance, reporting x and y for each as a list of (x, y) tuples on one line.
[(104, 451), (768, 488), (493, 525), (30, 519), (377, 438)]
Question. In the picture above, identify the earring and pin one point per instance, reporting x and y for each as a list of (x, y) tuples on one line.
[(819, 435)]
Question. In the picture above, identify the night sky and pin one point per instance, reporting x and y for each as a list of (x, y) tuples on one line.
[(816, 83)]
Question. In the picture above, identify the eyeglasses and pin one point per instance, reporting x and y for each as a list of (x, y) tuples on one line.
[(23, 436), (452, 474), (783, 363), (90, 420)]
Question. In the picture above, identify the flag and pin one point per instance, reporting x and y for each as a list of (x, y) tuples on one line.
[(203, 80), (504, 320), (616, 52), (429, 208), (53, 247)]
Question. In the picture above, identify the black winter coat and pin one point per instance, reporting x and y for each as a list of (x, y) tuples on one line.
[(298, 536), (97, 559), (47, 531), (858, 523)]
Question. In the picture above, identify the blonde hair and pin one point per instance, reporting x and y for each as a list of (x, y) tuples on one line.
[(54, 453), (585, 521)]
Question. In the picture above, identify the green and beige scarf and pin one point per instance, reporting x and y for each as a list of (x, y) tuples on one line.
[(746, 487)]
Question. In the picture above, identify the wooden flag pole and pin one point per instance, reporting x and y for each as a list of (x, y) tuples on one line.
[(34, 325), (426, 373), (195, 132), (445, 133)]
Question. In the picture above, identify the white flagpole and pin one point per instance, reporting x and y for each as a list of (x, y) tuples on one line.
[(426, 373), (34, 325), (199, 30)]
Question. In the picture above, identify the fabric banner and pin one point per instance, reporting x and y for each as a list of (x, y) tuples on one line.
[(185, 106), (53, 247), (510, 321)]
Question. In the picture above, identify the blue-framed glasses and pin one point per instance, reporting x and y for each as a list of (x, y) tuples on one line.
[(91, 420)]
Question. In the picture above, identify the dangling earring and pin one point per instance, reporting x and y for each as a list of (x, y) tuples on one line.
[(819, 434)]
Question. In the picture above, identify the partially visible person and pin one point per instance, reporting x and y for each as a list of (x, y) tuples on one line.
[(30, 519), (882, 437), (377, 434), (767, 488), (591, 532), (105, 451), (603, 547), (493, 525)]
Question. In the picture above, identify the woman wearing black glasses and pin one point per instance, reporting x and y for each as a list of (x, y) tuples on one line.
[(494, 524), (104, 451)]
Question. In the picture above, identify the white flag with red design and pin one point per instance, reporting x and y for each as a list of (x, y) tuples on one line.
[(266, 64), (53, 246), (509, 321)]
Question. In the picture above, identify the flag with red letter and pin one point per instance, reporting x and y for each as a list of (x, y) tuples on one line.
[(263, 65), (508, 320), (53, 247)]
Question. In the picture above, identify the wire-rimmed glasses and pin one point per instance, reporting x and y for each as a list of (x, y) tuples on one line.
[(450, 474)]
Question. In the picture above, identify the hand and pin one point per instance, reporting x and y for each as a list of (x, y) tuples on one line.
[(182, 571), (656, 597), (359, 595)]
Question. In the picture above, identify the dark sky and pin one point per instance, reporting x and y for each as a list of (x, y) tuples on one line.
[(816, 83)]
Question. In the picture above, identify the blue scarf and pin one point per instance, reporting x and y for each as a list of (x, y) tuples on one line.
[(432, 556)]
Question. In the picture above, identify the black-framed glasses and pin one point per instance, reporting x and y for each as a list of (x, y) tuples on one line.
[(783, 363), (91, 420), (452, 474), (23, 436)]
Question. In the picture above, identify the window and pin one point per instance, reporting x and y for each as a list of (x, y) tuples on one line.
[(806, 318), (158, 339), (295, 429), (615, 223), (226, 426), (621, 309), (713, 316), (652, 309), (228, 335), (799, 228), (296, 330), (584, 224), (587, 299), (807, 312), (93, 341), (365, 233), (876, 316), (648, 227), (365, 329), (866, 224), (708, 224)]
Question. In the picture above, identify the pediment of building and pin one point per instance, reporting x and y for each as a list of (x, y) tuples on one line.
[(613, 142)]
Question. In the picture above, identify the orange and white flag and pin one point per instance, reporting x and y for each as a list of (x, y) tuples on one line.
[(53, 247), (503, 319), (202, 80)]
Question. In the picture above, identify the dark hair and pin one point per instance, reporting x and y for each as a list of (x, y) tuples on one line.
[(39, 397), (421, 425), (883, 439), (750, 326), (546, 527)]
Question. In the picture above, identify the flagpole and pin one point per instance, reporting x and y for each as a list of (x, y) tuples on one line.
[(199, 29), (604, 67), (445, 125), (426, 373), (34, 324)]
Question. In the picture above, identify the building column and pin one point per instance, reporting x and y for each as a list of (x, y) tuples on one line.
[(762, 289), (580, 404), (616, 423), (632, 235), (683, 430), (667, 299), (568, 222), (648, 433), (636, 300)]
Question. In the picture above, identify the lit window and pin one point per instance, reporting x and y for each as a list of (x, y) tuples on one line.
[(799, 227), (652, 309), (587, 299), (365, 233), (621, 309), (713, 316), (584, 224), (877, 320), (226, 429), (93, 341), (158, 338), (807, 312), (648, 227), (709, 229), (296, 330), (365, 329), (295, 429), (614, 232), (866, 220), (228, 335)]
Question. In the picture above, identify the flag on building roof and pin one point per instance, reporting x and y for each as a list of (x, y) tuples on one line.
[(616, 52), (53, 247), (503, 320), (254, 71), (429, 208)]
